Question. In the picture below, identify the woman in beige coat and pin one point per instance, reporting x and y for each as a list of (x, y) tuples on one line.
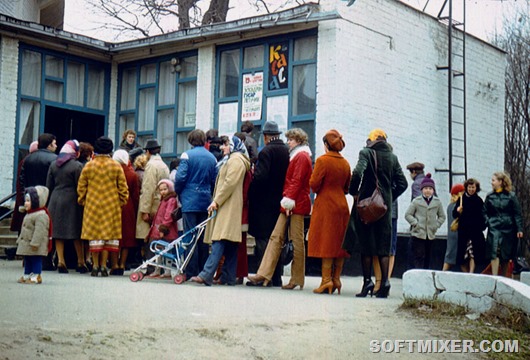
[(224, 231)]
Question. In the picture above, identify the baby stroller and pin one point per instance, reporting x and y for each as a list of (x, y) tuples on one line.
[(175, 252)]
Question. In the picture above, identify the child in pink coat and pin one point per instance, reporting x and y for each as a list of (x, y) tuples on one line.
[(168, 203)]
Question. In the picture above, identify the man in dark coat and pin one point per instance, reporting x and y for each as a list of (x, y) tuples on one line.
[(34, 172), (265, 192)]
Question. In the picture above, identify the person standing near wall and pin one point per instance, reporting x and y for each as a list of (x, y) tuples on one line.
[(128, 142), (194, 182), (250, 143), (417, 175), (505, 223), (102, 190), (155, 170), (265, 193), (375, 238)]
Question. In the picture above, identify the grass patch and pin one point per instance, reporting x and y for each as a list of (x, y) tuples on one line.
[(500, 323)]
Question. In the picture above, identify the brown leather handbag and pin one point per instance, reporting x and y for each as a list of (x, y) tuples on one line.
[(372, 208)]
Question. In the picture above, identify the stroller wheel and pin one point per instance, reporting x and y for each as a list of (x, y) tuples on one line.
[(136, 276), (179, 279)]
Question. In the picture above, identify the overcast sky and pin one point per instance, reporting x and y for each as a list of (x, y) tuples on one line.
[(484, 17)]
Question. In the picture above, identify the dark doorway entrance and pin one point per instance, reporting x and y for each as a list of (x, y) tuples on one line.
[(69, 124)]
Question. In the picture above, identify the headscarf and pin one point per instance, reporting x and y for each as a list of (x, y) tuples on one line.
[(121, 156), (69, 151), (375, 134), (236, 145)]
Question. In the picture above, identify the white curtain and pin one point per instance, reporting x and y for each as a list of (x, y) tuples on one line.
[(29, 122), (96, 89), (146, 109), (166, 130), (31, 73), (128, 89), (75, 83), (187, 103), (166, 84)]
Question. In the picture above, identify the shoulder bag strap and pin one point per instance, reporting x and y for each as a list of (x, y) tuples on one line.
[(375, 169)]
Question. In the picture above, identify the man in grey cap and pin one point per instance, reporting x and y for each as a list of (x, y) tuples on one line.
[(265, 192), (155, 170)]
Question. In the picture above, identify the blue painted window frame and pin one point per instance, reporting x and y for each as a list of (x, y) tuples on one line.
[(153, 133), (62, 104), (266, 42)]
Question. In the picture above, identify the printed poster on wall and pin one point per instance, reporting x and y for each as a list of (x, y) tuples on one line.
[(228, 118), (252, 96), (278, 55)]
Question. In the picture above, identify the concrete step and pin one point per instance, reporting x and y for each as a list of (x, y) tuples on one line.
[(8, 240)]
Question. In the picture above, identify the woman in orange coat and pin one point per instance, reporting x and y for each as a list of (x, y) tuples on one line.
[(330, 182)]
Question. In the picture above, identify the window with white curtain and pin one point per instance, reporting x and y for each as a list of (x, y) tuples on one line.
[(189, 67), (96, 87), (128, 89), (187, 103), (167, 84), (229, 73), (126, 122), (165, 124), (305, 48), (31, 73), (148, 74), (54, 67), (53, 90), (253, 57), (146, 109), (28, 123), (75, 83), (182, 142), (304, 89)]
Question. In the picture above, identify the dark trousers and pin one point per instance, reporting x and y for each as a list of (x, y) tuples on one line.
[(421, 250), (32, 265), (259, 251), (200, 255)]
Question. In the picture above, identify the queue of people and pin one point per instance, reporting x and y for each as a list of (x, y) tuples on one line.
[(109, 202)]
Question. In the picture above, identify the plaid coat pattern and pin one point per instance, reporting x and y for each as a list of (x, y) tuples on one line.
[(102, 190)]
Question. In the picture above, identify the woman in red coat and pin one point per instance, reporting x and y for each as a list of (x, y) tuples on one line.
[(330, 182), (294, 206), (128, 214)]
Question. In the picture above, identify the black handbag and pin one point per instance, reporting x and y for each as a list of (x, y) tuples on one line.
[(372, 208), (176, 214), (286, 256), (521, 263)]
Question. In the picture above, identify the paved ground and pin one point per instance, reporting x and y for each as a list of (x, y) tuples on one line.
[(74, 316)]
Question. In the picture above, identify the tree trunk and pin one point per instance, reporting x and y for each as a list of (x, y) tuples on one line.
[(216, 12)]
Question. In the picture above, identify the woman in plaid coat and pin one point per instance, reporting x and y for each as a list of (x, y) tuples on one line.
[(102, 190)]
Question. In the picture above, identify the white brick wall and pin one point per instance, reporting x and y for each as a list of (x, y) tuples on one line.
[(377, 68), (113, 101), (205, 88), (8, 101)]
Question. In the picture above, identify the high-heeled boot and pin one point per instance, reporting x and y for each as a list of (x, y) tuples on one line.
[(368, 287), (338, 263), (384, 291), (326, 283)]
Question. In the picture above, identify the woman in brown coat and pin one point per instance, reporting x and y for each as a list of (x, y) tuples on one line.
[(330, 182), (102, 190)]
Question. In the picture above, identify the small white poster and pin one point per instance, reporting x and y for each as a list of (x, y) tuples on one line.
[(252, 96), (228, 118)]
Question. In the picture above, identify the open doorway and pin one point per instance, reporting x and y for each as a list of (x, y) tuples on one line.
[(70, 124)]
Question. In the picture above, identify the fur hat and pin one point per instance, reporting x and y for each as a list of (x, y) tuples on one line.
[(38, 196), (375, 134), (103, 145), (334, 140), (427, 181), (169, 184), (457, 189)]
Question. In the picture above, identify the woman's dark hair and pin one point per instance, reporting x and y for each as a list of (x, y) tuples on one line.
[(197, 137), (85, 150), (174, 164), (212, 133), (472, 181), (247, 127)]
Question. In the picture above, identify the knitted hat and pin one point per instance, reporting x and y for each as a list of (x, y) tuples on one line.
[(427, 181), (457, 189), (38, 196), (375, 134), (334, 140), (103, 145), (169, 184), (121, 156)]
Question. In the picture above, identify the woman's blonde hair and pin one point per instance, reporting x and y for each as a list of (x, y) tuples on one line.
[(505, 180), (298, 135), (140, 161)]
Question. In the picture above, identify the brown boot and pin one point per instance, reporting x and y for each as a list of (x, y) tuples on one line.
[(338, 263), (326, 283)]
